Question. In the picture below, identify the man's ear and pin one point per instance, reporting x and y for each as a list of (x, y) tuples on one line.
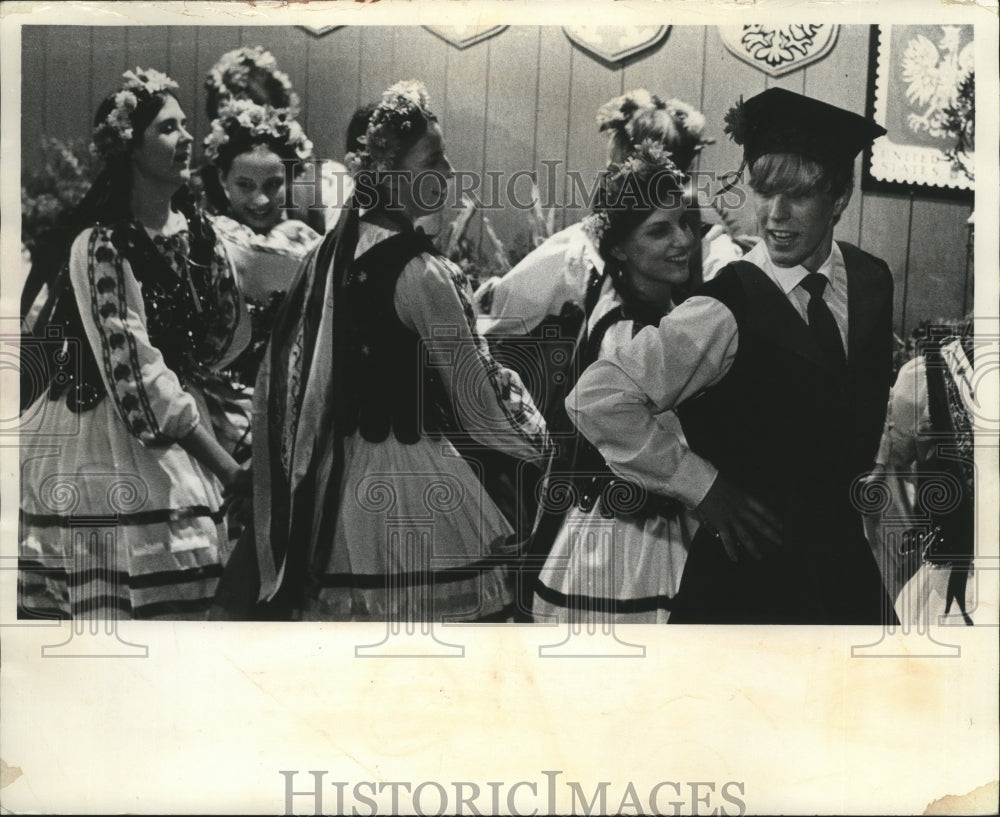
[(840, 203)]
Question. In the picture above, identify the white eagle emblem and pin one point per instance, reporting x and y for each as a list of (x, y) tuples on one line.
[(933, 78)]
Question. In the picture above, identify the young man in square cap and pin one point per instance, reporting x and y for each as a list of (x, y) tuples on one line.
[(779, 369)]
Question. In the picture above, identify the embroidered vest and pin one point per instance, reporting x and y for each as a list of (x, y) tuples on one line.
[(389, 382), (191, 313)]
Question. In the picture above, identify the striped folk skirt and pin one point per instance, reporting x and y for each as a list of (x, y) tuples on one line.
[(111, 528)]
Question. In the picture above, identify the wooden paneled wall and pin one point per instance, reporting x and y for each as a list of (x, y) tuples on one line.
[(521, 98)]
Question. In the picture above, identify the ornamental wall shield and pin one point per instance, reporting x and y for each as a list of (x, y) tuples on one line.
[(777, 50), (464, 36), (615, 43), (319, 31)]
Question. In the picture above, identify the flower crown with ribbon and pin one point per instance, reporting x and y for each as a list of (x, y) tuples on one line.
[(649, 161), (684, 135), (388, 126), (230, 77), (113, 136), (262, 124)]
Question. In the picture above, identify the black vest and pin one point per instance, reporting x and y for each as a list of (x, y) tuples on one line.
[(388, 382), (796, 436)]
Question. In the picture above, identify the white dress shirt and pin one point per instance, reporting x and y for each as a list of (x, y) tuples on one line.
[(616, 400)]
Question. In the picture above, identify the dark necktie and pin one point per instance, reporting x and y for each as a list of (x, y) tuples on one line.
[(822, 324)]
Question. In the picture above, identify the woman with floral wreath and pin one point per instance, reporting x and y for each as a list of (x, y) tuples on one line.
[(251, 73), (375, 379), (619, 553), (147, 306), (552, 293), (248, 147), (558, 275)]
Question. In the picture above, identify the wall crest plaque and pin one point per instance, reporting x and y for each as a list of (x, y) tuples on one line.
[(319, 31), (615, 43), (464, 36), (777, 50)]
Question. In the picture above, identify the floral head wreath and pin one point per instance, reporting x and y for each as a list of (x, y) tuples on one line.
[(113, 136), (261, 123), (230, 77), (388, 126), (649, 160), (621, 113)]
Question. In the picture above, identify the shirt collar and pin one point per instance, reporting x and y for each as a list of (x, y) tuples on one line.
[(790, 277)]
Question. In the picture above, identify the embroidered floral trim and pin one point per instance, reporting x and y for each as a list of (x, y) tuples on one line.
[(221, 305), (516, 403), (230, 76), (388, 125), (293, 403), (261, 123), (191, 314), (114, 135), (120, 357)]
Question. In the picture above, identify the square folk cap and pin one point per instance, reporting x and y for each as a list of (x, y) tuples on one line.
[(780, 121)]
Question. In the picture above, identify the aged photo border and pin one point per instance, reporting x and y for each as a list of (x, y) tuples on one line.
[(246, 718)]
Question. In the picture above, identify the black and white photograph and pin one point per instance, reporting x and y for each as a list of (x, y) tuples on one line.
[(383, 383)]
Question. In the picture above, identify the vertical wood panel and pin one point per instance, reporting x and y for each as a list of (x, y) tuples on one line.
[(330, 92), (211, 43), (146, 47), (68, 91), (839, 78), (527, 95), (794, 81), (673, 69), (726, 79), (937, 261), (377, 61), (108, 46), (554, 57), (591, 85), (884, 234), (34, 91), (288, 46), (183, 41), (423, 56), (510, 126), (464, 116)]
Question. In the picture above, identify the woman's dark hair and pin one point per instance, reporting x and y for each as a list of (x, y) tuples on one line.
[(148, 107), (242, 141), (357, 127), (261, 87), (108, 201), (627, 199), (108, 198)]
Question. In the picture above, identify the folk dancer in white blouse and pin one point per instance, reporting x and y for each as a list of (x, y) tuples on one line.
[(779, 371), (149, 307), (251, 73), (619, 552), (376, 378)]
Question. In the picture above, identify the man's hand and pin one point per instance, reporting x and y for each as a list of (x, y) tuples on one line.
[(739, 520)]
